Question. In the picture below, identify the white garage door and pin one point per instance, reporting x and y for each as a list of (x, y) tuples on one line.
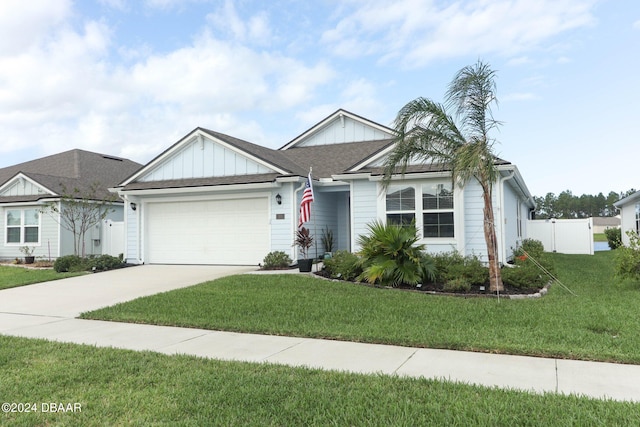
[(208, 232)]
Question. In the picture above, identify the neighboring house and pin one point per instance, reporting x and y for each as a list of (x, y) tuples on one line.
[(601, 223), (629, 215), (215, 199), (26, 188)]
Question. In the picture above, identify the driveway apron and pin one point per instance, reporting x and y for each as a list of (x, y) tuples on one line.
[(69, 297)]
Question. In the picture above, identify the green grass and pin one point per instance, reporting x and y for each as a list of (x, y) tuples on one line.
[(599, 237), (11, 277), (600, 323), (121, 387)]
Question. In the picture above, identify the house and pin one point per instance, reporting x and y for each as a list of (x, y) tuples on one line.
[(629, 215), (211, 198), (601, 223), (26, 189)]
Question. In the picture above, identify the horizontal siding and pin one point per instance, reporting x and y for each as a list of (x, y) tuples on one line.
[(364, 208), (48, 246)]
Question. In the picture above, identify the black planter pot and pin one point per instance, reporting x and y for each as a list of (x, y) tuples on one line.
[(304, 265), (29, 259)]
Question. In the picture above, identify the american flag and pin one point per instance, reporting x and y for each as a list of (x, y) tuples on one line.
[(305, 204)]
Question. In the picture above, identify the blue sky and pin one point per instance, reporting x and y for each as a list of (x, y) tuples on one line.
[(130, 78)]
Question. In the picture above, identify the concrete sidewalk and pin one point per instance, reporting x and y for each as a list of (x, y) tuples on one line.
[(599, 380)]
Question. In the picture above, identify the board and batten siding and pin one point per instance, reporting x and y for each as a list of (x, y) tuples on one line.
[(344, 130), (203, 158), (132, 230)]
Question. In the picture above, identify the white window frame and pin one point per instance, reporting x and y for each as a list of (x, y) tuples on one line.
[(22, 227), (438, 210), (419, 210), (637, 218)]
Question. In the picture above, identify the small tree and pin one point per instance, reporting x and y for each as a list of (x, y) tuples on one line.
[(78, 211)]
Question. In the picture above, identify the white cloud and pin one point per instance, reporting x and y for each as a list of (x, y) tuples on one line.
[(416, 32), (25, 24), (254, 29), (523, 96), (62, 90), (636, 25)]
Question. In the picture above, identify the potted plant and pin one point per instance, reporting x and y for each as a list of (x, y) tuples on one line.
[(28, 254), (327, 242), (304, 240)]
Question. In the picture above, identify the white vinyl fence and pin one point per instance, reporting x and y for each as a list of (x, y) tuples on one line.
[(112, 238), (567, 236)]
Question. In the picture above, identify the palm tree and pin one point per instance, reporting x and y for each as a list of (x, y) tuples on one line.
[(426, 132)]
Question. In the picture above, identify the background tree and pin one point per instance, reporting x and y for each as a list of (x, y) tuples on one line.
[(427, 133), (78, 211), (567, 205)]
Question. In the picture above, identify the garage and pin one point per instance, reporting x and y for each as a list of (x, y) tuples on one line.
[(228, 231)]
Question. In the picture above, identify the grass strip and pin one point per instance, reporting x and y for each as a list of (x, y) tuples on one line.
[(11, 277), (121, 387), (601, 323)]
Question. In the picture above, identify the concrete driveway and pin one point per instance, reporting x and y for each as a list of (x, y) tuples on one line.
[(72, 296)]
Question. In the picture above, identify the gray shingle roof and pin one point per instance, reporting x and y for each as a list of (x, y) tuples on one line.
[(72, 169)]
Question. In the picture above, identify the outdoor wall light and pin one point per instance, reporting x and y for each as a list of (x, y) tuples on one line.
[(278, 199), (133, 206)]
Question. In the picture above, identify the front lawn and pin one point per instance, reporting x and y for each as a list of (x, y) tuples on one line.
[(105, 386), (600, 323), (11, 277)]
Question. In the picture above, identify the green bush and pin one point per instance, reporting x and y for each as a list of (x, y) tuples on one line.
[(75, 263), (276, 260), (451, 266), (533, 247), (343, 265), (69, 263), (614, 237), (627, 258), (524, 274), (103, 263), (457, 285), (390, 255)]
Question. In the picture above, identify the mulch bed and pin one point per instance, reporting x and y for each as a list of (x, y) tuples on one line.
[(475, 291)]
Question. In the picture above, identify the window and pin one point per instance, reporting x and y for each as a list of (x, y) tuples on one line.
[(638, 218), (23, 226), (401, 205), (437, 210), (430, 205)]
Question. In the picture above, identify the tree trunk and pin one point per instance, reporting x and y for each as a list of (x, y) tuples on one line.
[(495, 278)]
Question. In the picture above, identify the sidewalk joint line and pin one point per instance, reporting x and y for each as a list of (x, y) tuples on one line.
[(395, 371)]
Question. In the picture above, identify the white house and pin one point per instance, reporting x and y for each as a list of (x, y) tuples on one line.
[(214, 199), (629, 215), (26, 188)]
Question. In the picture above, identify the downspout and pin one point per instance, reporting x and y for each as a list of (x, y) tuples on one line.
[(503, 238)]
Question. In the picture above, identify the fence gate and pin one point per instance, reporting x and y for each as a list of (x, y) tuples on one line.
[(113, 238), (566, 236)]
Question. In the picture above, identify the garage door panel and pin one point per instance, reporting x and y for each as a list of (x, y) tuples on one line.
[(208, 232)]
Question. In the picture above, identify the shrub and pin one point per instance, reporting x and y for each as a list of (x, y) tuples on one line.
[(69, 263), (390, 255), (525, 274), (343, 265), (614, 237), (627, 258), (451, 266), (103, 263), (533, 247), (276, 260), (458, 284), (74, 263)]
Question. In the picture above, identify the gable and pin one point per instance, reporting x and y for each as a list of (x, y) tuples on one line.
[(202, 156), (339, 128), (22, 186)]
